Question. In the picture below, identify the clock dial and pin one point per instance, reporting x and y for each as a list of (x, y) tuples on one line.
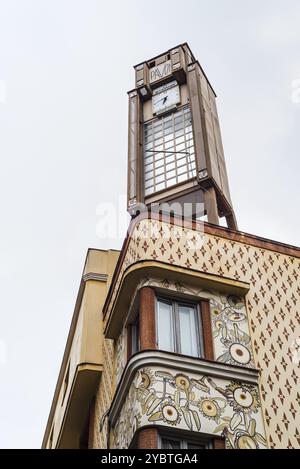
[(166, 97)]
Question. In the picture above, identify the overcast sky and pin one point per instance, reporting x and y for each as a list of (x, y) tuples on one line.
[(65, 68)]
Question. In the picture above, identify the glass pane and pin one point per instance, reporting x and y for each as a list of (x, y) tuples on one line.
[(182, 177), (160, 186), (179, 140), (170, 157), (197, 446), (159, 157), (170, 444), (188, 330), (135, 337), (170, 164), (169, 134), (149, 175), (182, 169), (159, 170), (171, 182), (165, 326), (171, 174), (159, 179), (149, 183)]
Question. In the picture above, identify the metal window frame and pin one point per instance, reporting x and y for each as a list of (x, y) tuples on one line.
[(175, 304), (135, 336), (184, 442), (155, 143)]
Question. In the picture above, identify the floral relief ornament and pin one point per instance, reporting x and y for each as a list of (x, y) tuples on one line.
[(173, 399), (240, 429), (230, 331)]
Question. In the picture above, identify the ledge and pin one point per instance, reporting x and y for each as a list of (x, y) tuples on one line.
[(141, 269), (84, 387), (179, 363)]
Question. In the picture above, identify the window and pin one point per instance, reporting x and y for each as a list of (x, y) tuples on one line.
[(66, 382), (179, 328), (135, 330), (174, 443), (51, 438), (169, 155)]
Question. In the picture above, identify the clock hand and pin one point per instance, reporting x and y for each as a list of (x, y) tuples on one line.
[(164, 99)]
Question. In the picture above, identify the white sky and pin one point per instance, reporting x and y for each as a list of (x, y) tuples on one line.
[(65, 68)]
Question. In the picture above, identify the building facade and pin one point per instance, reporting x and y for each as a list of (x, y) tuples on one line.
[(189, 336)]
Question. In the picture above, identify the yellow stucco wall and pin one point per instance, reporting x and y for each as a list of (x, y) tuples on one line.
[(84, 349)]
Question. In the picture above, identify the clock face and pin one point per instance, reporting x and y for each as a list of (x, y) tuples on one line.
[(165, 97)]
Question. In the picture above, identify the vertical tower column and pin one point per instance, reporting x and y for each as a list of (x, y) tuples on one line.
[(210, 205)]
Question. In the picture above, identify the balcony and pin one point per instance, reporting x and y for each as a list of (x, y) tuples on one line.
[(175, 392)]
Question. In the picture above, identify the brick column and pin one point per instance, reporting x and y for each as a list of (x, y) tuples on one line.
[(219, 443), (207, 330), (147, 438), (147, 319)]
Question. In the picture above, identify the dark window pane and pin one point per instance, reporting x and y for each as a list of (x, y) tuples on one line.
[(170, 444), (197, 446)]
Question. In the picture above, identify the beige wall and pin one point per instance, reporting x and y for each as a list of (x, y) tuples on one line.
[(85, 342)]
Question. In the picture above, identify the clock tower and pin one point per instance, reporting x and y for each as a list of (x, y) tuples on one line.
[(175, 151)]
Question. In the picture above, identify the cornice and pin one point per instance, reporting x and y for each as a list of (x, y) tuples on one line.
[(95, 276)]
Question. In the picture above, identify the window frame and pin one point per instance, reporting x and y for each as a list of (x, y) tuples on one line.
[(135, 336), (175, 303), (185, 440), (66, 383), (158, 147)]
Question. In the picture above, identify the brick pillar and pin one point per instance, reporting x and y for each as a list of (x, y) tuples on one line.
[(147, 319), (219, 443), (207, 330), (147, 438)]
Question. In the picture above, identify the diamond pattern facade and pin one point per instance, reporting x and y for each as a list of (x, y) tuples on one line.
[(273, 304)]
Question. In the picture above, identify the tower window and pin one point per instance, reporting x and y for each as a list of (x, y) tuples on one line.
[(169, 155), (179, 328)]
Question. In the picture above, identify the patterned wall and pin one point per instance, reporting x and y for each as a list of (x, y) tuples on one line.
[(203, 404), (104, 396), (120, 354), (231, 335), (273, 304)]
